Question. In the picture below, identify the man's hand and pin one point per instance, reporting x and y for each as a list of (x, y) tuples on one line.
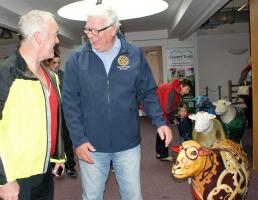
[(165, 133), (9, 191), (83, 150), (58, 166)]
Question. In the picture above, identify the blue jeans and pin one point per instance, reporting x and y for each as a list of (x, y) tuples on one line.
[(127, 170)]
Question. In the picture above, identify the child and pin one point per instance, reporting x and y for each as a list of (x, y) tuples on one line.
[(169, 95), (184, 123)]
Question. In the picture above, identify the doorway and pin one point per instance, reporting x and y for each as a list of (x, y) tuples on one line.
[(154, 57)]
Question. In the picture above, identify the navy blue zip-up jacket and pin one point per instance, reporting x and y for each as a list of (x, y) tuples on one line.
[(102, 109)]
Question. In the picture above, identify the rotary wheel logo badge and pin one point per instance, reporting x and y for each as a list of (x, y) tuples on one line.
[(123, 60)]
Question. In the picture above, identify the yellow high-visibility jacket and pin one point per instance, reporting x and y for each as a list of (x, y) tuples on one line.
[(24, 139)]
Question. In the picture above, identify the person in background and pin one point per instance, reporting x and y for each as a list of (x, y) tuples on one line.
[(103, 80), (30, 109), (184, 123), (54, 65), (169, 96), (246, 79)]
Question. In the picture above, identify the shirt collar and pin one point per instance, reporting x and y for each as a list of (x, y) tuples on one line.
[(117, 45)]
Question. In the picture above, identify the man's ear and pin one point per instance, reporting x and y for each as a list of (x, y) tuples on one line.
[(114, 30), (37, 37)]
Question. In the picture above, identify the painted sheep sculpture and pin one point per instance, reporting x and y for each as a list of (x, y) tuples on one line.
[(219, 173), (202, 103), (233, 120), (207, 130)]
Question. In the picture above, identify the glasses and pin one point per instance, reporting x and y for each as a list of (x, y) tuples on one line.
[(95, 31)]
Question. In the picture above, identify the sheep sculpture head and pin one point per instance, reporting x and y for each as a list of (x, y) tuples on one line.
[(202, 120), (202, 103), (221, 106), (219, 172), (190, 160)]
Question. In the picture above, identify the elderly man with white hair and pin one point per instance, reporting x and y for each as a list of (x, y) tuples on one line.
[(30, 113), (103, 81)]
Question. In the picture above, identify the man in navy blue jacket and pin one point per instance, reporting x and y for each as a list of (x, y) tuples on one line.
[(103, 80)]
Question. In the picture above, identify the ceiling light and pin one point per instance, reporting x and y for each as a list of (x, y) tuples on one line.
[(6, 34), (237, 51), (126, 9), (242, 7)]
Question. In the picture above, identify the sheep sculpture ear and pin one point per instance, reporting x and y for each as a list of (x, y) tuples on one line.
[(215, 103), (202, 151), (211, 116), (176, 148), (228, 103), (192, 116)]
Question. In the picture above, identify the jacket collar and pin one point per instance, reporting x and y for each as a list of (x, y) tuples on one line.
[(20, 63), (176, 86), (22, 67)]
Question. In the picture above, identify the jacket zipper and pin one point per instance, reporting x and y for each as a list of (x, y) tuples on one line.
[(108, 95), (109, 111), (47, 155)]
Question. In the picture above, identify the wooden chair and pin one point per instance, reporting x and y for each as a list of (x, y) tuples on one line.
[(233, 97)]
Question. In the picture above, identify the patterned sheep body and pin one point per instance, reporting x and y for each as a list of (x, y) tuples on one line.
[(232, 120), (207, 129), (218, 173)]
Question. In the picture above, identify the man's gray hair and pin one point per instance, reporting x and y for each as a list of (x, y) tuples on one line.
[(33, 21), (106, 12)]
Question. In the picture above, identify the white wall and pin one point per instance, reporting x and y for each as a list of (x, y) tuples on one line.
[(159, 38), (217, 65)]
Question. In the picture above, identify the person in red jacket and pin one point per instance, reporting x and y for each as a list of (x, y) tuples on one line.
[(169, 96)]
